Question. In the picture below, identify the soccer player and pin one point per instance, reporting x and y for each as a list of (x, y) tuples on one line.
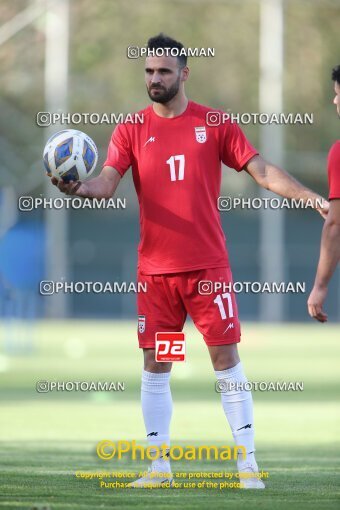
[(330, 240), (176, 166)]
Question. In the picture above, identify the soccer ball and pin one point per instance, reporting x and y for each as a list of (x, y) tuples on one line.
[(70, 155)]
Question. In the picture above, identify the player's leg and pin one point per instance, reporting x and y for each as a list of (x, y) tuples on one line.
[(159, 309), (156, 403), (214, 312), (157, 406), (237, 404)]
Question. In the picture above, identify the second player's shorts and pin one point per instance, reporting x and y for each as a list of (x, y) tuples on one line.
[(205, 294)]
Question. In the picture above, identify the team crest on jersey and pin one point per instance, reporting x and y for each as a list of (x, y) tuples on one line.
[(201, 134), (141, 323)]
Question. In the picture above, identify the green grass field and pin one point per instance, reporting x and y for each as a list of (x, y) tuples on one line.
[(47, 437)]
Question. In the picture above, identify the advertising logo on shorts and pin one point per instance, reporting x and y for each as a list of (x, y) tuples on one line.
[(141, 323), (170, 346)]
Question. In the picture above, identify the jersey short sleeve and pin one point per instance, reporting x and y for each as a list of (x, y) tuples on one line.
[(235, 149), (119, 150), (334, 171)]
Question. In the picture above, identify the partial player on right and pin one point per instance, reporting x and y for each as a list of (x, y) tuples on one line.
[(330, 239)]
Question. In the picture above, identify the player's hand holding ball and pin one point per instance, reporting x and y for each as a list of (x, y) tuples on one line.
[(69, 188), (70, 157)]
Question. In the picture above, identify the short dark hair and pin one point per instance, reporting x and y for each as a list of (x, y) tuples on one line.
[(336, 74), (163, 41)]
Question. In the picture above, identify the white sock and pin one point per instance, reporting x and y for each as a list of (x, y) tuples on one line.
[(238, 407), (157, 411)]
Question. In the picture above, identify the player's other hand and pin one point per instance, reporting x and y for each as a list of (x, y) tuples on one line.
[(69, 188), (323, 209), (315, 303)]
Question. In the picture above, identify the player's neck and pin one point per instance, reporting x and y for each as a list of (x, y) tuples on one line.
[(173, 108)]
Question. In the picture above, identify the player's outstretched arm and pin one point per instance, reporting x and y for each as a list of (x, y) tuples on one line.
[(329, 258), (281, 182), (99, 187)]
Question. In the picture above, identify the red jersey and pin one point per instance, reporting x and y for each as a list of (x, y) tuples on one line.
[(334, 170), (176, 168)]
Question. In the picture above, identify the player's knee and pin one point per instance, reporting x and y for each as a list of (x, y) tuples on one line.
[(157, 368), (224, 357), (225, 363), (151, 365)]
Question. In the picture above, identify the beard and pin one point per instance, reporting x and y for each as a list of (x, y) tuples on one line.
[(160, 94)]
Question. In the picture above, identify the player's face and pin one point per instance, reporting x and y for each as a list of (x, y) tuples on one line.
[(336, 100), (163, 77)]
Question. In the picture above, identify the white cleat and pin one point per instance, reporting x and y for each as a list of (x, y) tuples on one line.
[(153, 480), (249, 476)]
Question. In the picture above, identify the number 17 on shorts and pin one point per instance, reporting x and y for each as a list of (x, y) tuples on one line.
[(170, 346)]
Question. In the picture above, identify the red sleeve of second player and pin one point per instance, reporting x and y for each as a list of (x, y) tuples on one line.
[(334, 171), (119, 150), (235, 149)]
